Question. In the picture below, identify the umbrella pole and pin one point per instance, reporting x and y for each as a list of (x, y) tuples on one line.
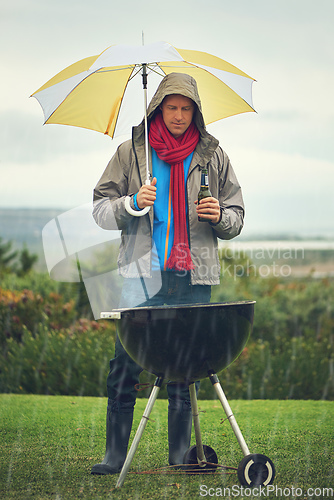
[(144, 75), (129, 209)]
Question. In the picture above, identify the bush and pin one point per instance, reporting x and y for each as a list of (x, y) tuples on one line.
[(50, 345), (25, 310), (290, 352), (71, 360), (46, 347), (19, 262), (300, 370)]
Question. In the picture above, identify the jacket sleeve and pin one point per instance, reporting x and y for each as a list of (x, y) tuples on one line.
[(109, 194), (230, 199)]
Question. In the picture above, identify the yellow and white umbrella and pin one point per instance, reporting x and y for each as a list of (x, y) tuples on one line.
[(102, 92)]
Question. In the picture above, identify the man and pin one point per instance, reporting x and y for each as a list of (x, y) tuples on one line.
[(185, 251)]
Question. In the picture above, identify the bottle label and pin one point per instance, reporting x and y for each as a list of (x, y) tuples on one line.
[(204, 180)]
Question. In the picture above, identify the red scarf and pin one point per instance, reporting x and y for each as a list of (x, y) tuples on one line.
[(174, 151)]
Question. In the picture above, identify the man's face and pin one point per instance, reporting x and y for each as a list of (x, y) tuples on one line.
[(177, 113)]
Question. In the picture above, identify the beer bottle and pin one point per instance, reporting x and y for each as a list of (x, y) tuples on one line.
[(204, 191)]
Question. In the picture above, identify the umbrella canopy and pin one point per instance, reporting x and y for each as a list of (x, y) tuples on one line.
[(102, 92)]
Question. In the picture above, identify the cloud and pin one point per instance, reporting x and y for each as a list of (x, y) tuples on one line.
[(23, 139), (285, 192), (286, 46), (63, 182)]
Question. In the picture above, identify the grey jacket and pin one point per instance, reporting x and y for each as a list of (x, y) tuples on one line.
[(126, 172)]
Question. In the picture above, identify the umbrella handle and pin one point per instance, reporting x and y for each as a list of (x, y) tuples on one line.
[(131, 211)]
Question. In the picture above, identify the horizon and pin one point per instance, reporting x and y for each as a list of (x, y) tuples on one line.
[(251, 235)]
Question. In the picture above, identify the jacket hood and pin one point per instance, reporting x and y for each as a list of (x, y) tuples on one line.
[(183, 84), (178, 83), (174, 83)]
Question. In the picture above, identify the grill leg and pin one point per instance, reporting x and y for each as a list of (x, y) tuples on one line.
[(139, 433), (222, 398), (194, 408)]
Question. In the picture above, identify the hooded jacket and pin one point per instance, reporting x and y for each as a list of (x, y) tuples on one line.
[(126, 173)]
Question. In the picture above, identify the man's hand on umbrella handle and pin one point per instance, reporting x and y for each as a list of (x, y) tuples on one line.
[(147, 194), (209, 208)]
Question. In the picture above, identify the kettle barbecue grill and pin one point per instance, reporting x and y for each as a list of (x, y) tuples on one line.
[(190, 342)]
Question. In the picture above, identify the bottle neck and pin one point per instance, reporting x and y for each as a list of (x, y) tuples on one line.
[(204, 179)]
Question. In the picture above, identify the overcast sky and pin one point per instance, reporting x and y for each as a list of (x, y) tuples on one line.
[(283, 155)]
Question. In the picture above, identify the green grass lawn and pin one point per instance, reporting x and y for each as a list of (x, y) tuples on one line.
[(48, 445)]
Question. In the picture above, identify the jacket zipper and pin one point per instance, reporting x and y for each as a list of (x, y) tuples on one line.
[(168, 225)]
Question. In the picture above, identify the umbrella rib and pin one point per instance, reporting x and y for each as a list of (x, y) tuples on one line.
[(178, 66), (205, 69), (157, 73), (107, 130), (133, 74), (69, 93), (151, 67), (121, 68), (131, 66)]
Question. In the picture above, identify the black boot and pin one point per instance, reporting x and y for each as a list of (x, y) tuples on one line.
[(119, 423), (179, 429)]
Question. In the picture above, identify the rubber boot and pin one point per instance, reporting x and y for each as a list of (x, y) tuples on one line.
[(119, 423), (179, 430)]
